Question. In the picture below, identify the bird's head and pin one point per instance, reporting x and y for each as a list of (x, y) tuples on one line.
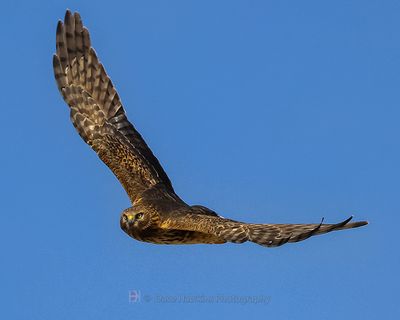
[(135, 218)]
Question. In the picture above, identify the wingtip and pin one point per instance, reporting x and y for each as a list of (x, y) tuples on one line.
[(68, 13), (347, 220), (69, 19), (358, 223), (77, 15), (59, 26)]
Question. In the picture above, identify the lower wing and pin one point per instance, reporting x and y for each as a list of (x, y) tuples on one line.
[(269, 235)]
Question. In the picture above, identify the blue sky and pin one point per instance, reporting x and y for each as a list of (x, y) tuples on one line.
[(265, 111)]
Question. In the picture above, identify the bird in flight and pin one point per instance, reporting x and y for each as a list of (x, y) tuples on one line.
[(158, 214)]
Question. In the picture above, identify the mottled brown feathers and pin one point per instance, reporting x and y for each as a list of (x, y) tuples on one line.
[(158, 215), (269, 235), (97, 112)]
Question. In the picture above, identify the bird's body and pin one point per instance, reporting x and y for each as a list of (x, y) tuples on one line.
[(157, 214)]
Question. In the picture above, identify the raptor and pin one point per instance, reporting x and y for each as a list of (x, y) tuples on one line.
[(157, 214)]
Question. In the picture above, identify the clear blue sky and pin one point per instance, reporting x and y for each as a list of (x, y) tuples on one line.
[(266, 111)]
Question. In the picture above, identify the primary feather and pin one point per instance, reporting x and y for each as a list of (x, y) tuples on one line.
[(157, 214)]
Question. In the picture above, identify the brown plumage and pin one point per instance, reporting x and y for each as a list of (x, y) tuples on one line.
[(157, 214)]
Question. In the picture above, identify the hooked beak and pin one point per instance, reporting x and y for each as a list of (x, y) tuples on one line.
[(130, 218)]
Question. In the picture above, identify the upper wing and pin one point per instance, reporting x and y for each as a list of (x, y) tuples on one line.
[(270, 235), (97, 112)]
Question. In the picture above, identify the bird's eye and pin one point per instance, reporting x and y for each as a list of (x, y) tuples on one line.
[(139, 216)]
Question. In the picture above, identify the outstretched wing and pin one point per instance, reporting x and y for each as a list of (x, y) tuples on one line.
[(270, 235), (97, 112)]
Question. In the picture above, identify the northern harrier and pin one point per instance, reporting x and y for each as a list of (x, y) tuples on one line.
[(157, 214)]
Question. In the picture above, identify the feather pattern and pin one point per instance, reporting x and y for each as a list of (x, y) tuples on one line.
[(97, 112), (269, 235), (157, 214)]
